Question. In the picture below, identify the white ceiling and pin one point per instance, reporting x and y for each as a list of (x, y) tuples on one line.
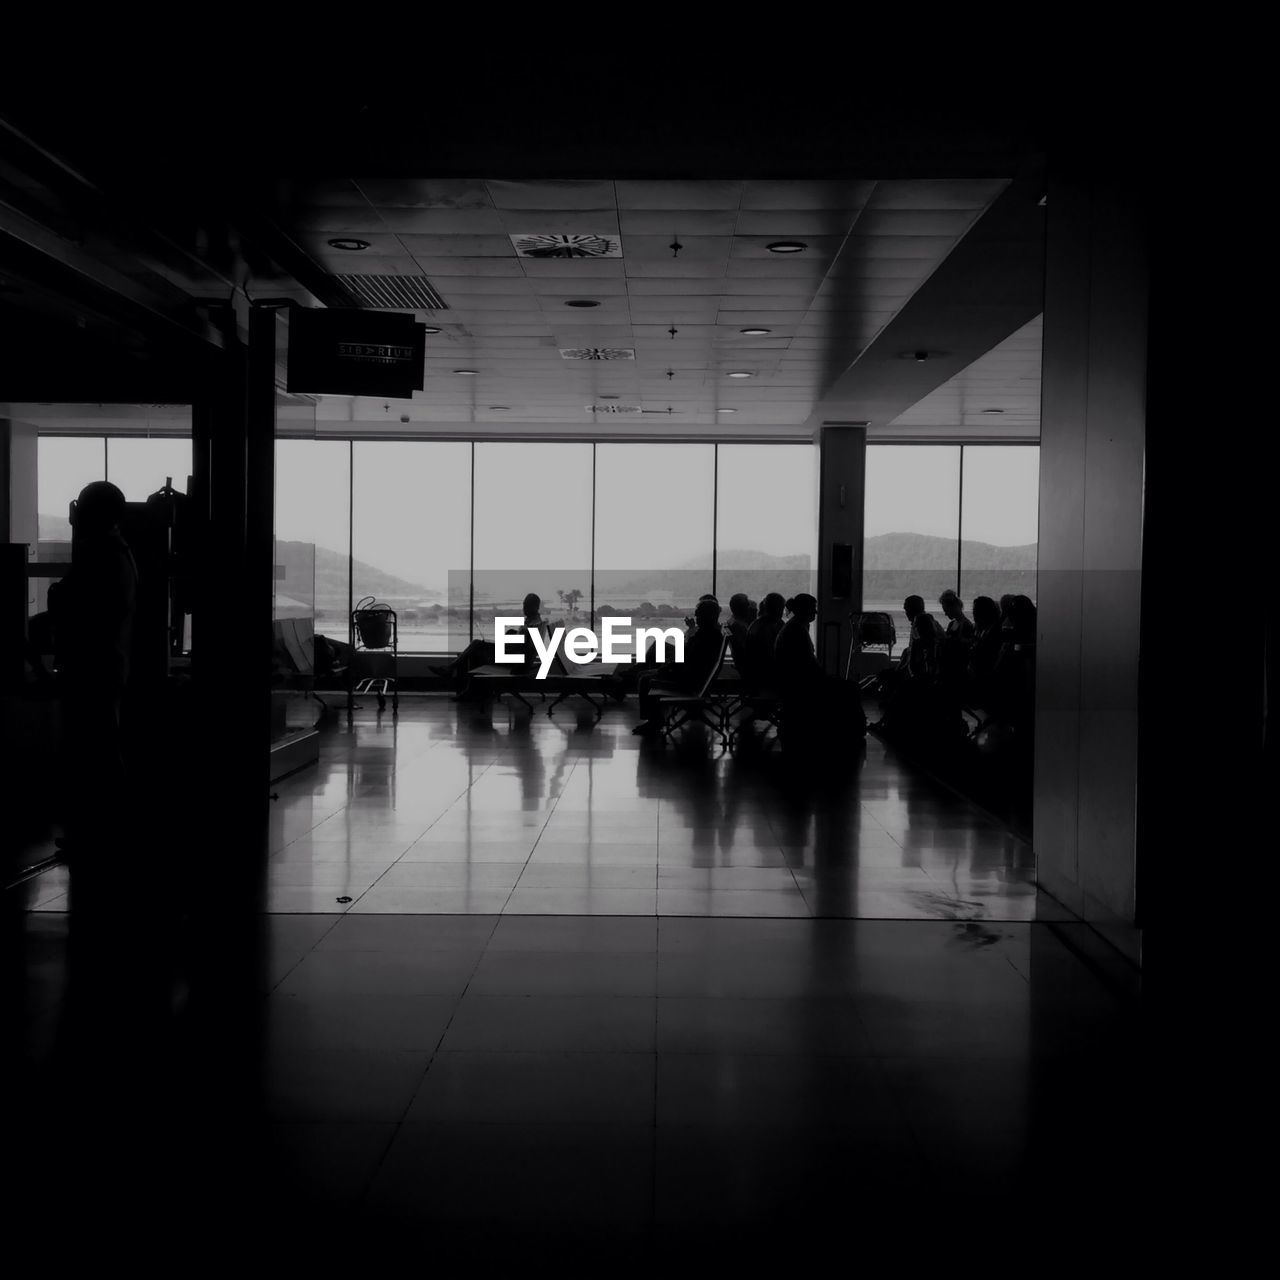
[(871, 245), (1006, 379)]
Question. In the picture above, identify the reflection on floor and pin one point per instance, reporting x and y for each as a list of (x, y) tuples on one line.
[(459, 808), (528, 1037), (634, 1086)]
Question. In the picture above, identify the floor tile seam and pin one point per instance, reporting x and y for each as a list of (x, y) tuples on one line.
[(541, 832), (414, 843), (297, 963), (431, 1057)]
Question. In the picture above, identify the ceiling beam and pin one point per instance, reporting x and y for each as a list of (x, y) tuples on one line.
[(988, 287)]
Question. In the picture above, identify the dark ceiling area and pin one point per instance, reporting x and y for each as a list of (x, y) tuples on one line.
[(127, 211)]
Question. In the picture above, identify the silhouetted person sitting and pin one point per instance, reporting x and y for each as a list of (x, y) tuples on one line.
[(741, 615), (701, 654), (762, 638), (817, 710), (921, 657), (910, 688), (953, 648), (483, 653), (987, 639), (1013, 679), (92, 611)]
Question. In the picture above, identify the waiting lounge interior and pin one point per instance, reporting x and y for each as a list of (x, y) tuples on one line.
[(370, 937)]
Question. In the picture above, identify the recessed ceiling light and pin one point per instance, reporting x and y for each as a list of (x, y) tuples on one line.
[(726, 411), (350, 243), (430, 328), (581, 302), (468, 373), (993, 411), (755, 332), (740, 373), (610, 397), (500, 408), (787, 246)]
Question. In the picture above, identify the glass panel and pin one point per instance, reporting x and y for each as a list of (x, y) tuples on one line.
[(64, 465), (1000, 521), (311, 531), (912, 525), (654, 527), (139, 466), (766, 520), (532, 531), (412, 528)]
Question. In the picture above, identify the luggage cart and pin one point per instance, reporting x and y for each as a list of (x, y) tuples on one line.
[(375, 650), (871, 632)]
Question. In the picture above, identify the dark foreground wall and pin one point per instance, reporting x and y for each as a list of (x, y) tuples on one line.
[(1093, 433)]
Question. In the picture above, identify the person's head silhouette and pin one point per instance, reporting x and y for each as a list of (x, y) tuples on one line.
[(707, 614), (951, 604), (802, 607), (532, 605), (98, 510), (913, 607), (740, 607), (986, 613)]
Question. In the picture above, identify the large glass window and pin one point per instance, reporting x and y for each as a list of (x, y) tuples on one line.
[(411, 525), (654, 528), (139, 465), (766, 519), (532, 517), (312, 525), (64, 465), (999, 521), (912, 528)]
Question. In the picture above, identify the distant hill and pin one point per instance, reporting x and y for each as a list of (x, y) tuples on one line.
[(895, 565), (54, 529), (924, 551), (331, 579), (731, 559), (295, 560)]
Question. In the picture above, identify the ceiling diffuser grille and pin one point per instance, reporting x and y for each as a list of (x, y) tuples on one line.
[(394, 292), (597, 353), (538, 245)]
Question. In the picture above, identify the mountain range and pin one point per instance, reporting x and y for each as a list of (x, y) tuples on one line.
[(894, 564)]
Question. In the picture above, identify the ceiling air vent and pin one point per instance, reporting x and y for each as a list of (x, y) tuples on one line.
[(614, 408), (597, 353), (394, 292), (537, 245)]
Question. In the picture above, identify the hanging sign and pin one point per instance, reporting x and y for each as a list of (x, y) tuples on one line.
[(355, 353)]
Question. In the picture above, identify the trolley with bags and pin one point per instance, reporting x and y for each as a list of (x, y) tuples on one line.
[(870, 648), (375, 654)]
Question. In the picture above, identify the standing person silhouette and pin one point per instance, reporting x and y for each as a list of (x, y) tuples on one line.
[(92, 613)]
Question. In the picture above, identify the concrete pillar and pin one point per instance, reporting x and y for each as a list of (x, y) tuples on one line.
[(1093, 437), (842, 479)]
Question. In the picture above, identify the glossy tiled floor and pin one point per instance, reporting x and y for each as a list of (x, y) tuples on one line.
[(637, 1090), (456, 808), (533, 1033), (633, 1077)]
